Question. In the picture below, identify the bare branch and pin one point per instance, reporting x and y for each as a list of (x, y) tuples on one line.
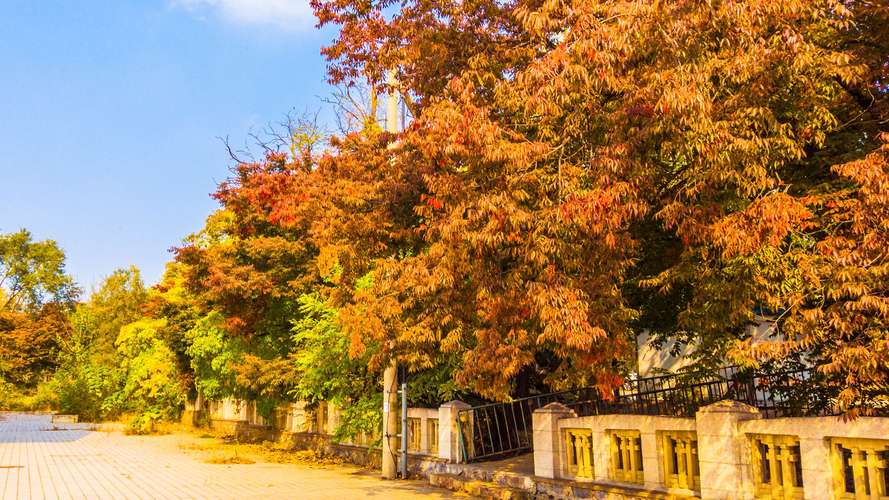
[(234, 154)]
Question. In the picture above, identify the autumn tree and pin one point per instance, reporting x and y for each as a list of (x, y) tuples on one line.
[(35, 297), (246, 273), (29, 344), (563, 142), (296, 240)]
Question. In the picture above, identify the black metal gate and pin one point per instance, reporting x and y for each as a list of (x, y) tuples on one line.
[(500, 429)]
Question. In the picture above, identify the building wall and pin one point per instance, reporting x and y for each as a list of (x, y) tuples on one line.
[(653, 361)]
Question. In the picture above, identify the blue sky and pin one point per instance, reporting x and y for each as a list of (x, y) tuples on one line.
[(110, 112)]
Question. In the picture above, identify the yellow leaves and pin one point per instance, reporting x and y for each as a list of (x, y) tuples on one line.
[(328, 263), (845, 67)]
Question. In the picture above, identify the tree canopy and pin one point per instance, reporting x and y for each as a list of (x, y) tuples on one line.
[(574, 173), (32, 273), (561, 142)]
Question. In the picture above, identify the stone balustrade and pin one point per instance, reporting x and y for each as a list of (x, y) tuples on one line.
[(728, 451), (426, 433)]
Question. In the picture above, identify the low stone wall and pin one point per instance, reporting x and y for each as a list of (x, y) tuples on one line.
[(815, 437), (361, 456), (727, 451), (554, 489)]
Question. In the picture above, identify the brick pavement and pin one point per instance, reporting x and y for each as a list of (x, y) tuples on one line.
[(74, 462)]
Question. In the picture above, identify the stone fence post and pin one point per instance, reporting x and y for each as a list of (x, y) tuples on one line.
[(334, 413), (547, 442), (723, 451), (448, 443)]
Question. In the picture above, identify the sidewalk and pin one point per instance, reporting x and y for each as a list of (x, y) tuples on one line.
[(38, 462)]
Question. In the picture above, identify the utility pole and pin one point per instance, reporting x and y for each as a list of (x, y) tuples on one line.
[(390, 420), (404, 429), (390, 375)]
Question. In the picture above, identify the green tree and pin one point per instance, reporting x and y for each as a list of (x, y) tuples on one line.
[(89, 369), (213, 356), (32, 273), (35, 298), (152, 387)]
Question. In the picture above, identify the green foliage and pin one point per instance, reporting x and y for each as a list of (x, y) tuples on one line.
[(145, 421), (118, 301), (152, 386), (325, 371), (212, 355), (90, 372), (362, 416), (42, 398), (116, 360), (429, 388), (83, 386), (32, 273)]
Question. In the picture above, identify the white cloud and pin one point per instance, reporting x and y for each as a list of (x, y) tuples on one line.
[(287, 14)]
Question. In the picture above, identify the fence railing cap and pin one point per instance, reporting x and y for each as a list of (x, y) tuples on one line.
[(556, 408), (728, 406), (460, 405)]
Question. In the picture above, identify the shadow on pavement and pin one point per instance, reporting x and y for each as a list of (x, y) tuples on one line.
[(38, 428)]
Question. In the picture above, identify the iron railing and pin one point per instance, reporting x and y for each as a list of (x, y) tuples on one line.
[(500, 429), (496, 429), (791, 393), (678, 395)]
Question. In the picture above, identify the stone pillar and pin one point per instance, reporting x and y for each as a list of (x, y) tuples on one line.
[(651, 471), (298, 419), (333, 418), (817, 473), (547, 439), (448, 443), (188, 414), (723, 451), (424, 432), (601, 452)]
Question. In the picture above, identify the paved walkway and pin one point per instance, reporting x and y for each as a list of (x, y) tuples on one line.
[(37, 461)]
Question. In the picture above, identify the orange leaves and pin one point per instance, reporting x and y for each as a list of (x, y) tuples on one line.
[(432, 201), (29, 342), (605, 211), (514, 216), (841, 314), (765, 222)]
